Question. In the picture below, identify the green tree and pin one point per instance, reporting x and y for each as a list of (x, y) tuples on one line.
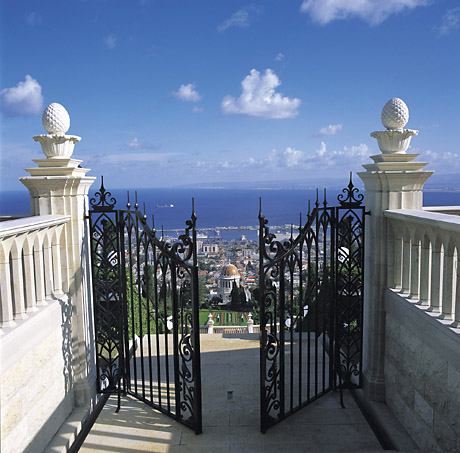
[(238, 298), (216, 301), (203, 294)]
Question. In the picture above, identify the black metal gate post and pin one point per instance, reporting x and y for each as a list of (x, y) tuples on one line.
[(108, 295), (310, 299), (148, 337), (349, 236)]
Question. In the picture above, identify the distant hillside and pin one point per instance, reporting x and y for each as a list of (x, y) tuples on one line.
[(437, 182), (310, 183)]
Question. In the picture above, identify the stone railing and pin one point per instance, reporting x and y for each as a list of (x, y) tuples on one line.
[(452, 210), (32, 265), (235, 329), (424, 260)]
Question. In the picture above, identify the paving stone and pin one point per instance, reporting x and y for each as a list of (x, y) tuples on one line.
[(232, 425)]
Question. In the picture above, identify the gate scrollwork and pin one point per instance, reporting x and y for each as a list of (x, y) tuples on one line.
[(310, 301), (152, 283)]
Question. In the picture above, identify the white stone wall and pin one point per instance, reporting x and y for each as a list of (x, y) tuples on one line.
[(422, 374), (36, 394)]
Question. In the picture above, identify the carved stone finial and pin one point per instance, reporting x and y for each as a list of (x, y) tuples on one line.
[(56, 144), (56, 119), (395, 139), (395, 114)]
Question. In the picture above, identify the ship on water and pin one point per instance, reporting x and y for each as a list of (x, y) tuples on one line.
[(165, 206)]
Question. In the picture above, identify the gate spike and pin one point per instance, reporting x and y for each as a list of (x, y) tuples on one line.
[(128, 205), (261, 214), (324, 199), (135, 204), (308, 208), (300, 222), (193, 216), (317, 198)]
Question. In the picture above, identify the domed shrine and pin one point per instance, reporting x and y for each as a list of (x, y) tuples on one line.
[(228, 275)]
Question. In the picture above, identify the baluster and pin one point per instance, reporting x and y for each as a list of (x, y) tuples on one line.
[(56, 261), (425, 271), (39, 265), (64, 259), (406, 263), (48, 261), (415, 266), (437, 269), (397, 249), (448, 281), (456, 322), (18, 278), (29, 274), (7, 316)]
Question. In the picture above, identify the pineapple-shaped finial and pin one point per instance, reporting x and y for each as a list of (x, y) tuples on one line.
[(56, 119), (395, 114)]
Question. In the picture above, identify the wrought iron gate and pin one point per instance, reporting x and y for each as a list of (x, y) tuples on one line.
[(146, 310), (310, 299)]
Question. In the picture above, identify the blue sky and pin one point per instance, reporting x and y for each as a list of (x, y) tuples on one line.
[(166, 93)]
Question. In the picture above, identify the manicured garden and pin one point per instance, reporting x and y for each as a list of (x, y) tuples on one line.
[(224, 317)]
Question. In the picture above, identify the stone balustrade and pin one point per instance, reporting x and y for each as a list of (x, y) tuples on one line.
[(230, 329), (32, 265), (424, 251), (422, 314)]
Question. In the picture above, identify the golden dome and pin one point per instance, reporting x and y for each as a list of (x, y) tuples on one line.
[(229, 270)]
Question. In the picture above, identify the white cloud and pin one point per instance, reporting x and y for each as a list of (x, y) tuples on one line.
[(187, 93), (450, 21), (122, 158), (110, 41), (292, 157), (24, 99), (136, 144), (331, 129), (287, 164), (258, 98), (372, 11), (448, 159), (279, 57), (290, 161), (322, 157), (197, 109), (133, 144), (240, 19)]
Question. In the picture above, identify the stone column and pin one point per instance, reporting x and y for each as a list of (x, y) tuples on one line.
[(250, 323), (60, 186), (393, 181), (210, 324)]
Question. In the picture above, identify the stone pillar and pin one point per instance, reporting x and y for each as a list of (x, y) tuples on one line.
[(60, 186), (393, 181), (210, 324), (250, 323)]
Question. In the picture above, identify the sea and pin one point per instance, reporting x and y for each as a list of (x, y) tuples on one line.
[(214, 208)]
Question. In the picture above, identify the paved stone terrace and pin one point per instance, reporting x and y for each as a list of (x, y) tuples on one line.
[(231, 362)]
